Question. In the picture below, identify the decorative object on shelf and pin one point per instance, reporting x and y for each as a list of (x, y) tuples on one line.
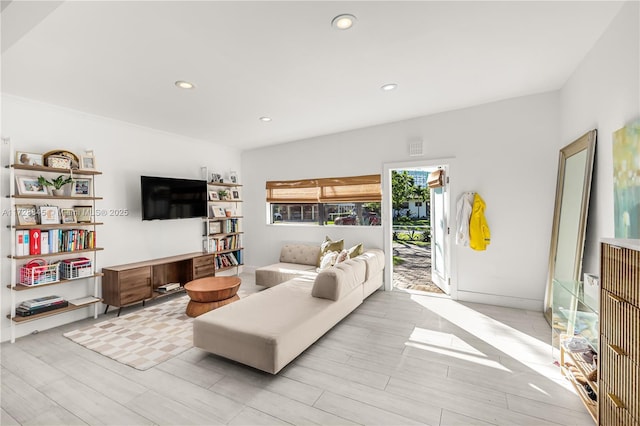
[(56, 183), (30, 185), (83, 213), (216, 178), (235, 195), (224, 194), (68, 215), (88, 162), (217, 211), (215, 227), (28, 159), (213, 196), (49, 215), (233, 177), (61, 159), (26, 214), (38, 272), (81, 187), (228, 212)]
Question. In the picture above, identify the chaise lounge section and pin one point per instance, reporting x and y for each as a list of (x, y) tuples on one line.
[(271, 328)]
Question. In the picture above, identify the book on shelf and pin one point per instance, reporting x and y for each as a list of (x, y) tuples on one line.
[(34, 241), (44, 242), (23, 311), (21, 237), (165, 288), (84, 300), (41, 301)]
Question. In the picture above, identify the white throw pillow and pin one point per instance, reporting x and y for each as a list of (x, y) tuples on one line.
[(328, 260), (342, 256)]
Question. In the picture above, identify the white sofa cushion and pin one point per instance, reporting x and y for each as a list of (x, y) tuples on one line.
[(267, 330), (302, 254), (277, 273), (335, 282)]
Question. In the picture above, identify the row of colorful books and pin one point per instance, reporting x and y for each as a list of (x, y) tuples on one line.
[(228, 243), (36, 241), (228, 259)]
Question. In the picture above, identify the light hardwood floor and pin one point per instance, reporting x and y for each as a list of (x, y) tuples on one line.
[(399, 359)]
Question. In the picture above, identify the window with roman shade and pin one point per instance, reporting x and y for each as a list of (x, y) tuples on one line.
[(352, 200)]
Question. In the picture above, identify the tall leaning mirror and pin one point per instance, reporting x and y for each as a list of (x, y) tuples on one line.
[(573, 188)]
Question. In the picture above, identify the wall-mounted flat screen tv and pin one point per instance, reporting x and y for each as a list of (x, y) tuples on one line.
[(170, 198)]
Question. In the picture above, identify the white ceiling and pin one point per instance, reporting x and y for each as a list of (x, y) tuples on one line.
[(284, 60)]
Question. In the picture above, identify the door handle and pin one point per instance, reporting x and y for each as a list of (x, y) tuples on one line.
[(617, 349), (616, 401), (616, 299)]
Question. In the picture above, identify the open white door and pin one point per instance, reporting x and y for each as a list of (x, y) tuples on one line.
[(439, 235)]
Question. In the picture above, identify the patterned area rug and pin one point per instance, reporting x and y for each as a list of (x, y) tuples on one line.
[(141, 339)]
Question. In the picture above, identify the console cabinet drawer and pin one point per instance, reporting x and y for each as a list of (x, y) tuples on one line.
[(612, 410), (134, 294), (620, 321), (203, 267), (620, 272), (620, 376), (121, 288)]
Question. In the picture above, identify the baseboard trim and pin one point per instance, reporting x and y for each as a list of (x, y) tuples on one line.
[(498, 300)]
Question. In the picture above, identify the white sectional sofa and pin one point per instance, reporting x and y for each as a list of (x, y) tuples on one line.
[(267, 330)]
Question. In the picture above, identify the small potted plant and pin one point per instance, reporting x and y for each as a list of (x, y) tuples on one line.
[(56, 183), (223, 194)]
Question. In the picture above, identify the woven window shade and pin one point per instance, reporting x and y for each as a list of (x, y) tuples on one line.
[(293, 191), (327, 190), (348, 189)]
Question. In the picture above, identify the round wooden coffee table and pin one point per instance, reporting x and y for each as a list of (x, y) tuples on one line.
[(210, 293)]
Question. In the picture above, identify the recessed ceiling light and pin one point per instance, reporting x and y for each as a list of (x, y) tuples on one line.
[(184, 84), (343, 22), (265, 119), (388, 87)]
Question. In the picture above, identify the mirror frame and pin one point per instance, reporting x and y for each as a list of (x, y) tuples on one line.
[(586, 142)]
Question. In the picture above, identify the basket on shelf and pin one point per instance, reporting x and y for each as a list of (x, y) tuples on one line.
[(38, 272), (75, 268)]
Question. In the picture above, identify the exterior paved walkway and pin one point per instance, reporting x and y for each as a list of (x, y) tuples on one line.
[(415, 272)]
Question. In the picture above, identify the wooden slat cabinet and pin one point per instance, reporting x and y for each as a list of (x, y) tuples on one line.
[(124, 285), (619, 332)]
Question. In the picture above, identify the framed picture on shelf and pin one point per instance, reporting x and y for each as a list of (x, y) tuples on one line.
[(29, 185), (68, 215), (87, 162), (233, 177), (216, 177), (49, 215), (235, 195), (26, 214), (217, 211), (81, 187), (83, 213), (215, 227), (28, 159), (213, 196)]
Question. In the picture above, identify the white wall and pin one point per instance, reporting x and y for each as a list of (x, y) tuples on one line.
[(123, 152), (504, 150), (604, 94)]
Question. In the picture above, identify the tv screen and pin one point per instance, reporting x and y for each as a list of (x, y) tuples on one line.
[(169, 198)]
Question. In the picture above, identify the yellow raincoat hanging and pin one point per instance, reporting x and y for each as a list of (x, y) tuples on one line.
[(479, 233)]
